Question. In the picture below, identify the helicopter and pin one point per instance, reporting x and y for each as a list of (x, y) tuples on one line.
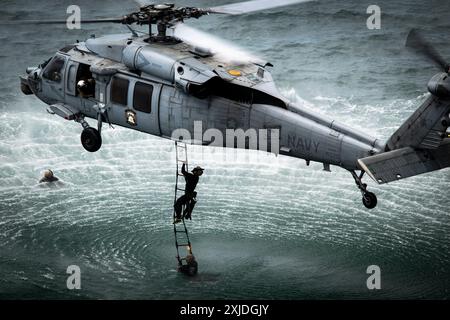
[(158, 82)]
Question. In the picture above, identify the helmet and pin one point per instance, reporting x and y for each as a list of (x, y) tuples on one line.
[(197, 168), (82, 85)]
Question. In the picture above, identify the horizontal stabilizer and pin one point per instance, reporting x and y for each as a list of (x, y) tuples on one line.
[(405, 162)]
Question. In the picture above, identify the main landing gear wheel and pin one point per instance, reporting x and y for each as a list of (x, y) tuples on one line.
[(91, 139), (369, 200)]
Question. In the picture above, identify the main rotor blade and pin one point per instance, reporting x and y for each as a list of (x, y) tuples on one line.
[(417, 42), (143, 3), (252, 6), (208, 43), (102, 20)]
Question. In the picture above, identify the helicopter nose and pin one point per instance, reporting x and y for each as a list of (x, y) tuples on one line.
[(29, 83), (25, 86)]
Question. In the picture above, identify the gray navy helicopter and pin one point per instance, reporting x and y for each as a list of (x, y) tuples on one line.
[(157, 83)]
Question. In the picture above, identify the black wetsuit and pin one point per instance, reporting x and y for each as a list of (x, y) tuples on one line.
[(189, 194), (191, 180), (52, 179), (189, 207)]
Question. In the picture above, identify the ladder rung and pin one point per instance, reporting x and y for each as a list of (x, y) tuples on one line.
[(184, 245), (179, 189)]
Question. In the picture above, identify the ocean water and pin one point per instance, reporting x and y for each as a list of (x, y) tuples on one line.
[(265, 228)]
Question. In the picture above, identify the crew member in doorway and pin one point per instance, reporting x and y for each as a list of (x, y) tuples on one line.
[(48, 177), (191, 266), (86, 88), (188, 199)]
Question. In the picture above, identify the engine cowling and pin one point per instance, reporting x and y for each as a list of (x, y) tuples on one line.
[(439, 85), (139, 57), (186, 73)]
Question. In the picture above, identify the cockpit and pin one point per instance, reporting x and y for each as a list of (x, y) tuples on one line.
[(53, 70)]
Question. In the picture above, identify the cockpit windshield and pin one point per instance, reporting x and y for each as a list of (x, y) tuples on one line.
[(52, 71)]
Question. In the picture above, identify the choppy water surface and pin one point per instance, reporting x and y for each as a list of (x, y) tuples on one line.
[(272, 228)]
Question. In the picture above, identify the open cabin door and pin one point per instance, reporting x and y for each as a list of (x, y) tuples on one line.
[(91, 93)]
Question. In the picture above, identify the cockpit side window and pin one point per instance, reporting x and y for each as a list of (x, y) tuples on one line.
[(53, 70)]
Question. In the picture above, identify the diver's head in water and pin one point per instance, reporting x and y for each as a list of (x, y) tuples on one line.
[(48, 174), (191, 266), (190, 259)]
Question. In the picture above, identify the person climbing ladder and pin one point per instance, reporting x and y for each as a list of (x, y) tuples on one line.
[(188, 199)]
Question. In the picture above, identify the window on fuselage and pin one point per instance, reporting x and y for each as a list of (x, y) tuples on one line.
[(119, 91), (142, 97), (53, 70)]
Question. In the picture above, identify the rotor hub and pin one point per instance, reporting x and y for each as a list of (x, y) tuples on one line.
[(163, 16), (163, 6), (167, 14)]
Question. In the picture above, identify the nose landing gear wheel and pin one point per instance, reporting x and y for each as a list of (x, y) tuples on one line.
[(91, 139), (369, 200)]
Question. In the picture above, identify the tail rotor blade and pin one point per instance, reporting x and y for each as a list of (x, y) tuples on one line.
[(417, 42)]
